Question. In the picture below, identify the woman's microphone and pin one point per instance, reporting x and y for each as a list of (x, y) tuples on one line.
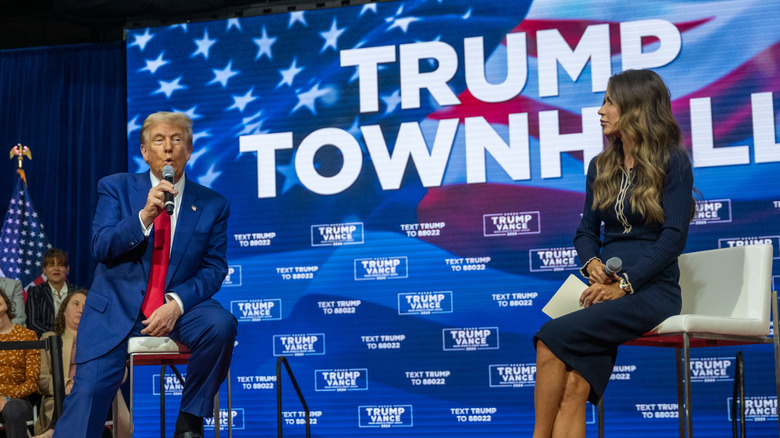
[(613, 266)]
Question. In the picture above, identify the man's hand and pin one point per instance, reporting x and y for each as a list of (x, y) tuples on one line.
[(162, 320), (155, 201)]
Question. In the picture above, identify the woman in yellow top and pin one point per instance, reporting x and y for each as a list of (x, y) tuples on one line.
[(19, 372)]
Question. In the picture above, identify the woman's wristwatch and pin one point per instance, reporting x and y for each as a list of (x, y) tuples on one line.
[(626, 286)]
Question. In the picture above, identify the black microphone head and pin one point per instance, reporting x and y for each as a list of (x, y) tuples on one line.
[(614, 265), (168, 173)]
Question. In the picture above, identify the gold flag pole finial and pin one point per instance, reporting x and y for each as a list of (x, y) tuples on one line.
[(20, 152)]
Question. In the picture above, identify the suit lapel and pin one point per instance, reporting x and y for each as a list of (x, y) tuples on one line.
[(189, 213), (48, 296)]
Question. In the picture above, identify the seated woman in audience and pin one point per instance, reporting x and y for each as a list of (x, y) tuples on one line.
[(66, 325), (44, 300), (19, 371)]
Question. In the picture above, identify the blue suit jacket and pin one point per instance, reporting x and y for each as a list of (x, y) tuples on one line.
[(197, 266)]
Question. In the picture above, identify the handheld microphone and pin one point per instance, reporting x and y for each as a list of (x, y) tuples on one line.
[(613, 266), (167, 174)]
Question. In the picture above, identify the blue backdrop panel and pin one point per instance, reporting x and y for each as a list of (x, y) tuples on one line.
[(405, 181)]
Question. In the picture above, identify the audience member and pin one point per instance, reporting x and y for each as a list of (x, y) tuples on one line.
[(19, 372), (44, 300), (66, 325), (13, 288)]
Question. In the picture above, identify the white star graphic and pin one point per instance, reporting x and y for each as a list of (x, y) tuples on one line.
[(264, 44), (209, 177), (355, 128), (331, 36), (141, 40), (289, 75), (169, 87), (204, 44), (140, 164), (132, 126), (309, 98), (251, 128), (249, 119), (392, 101), (202, 134), (233, 22), (183, 26), (195, 155), (222, 76), (191, 113), (297, 16), (240, 102), (368, 7), (153, 65), (402, 23)]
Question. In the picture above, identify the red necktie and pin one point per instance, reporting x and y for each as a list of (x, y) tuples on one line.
[(155, 291)]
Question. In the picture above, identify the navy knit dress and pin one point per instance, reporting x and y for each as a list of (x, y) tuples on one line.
[(587, 340)]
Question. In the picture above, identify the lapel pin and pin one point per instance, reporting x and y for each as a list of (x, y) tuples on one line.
[(194, 208)]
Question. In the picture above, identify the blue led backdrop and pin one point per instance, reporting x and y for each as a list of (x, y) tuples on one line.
[(405, 181)]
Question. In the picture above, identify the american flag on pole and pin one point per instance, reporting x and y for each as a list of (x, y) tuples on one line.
[(22, 241)]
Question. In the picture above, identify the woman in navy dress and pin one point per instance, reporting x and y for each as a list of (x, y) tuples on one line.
[(640, 188)]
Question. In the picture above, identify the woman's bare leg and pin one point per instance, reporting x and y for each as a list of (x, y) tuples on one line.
[(570, 422), (548, 390)]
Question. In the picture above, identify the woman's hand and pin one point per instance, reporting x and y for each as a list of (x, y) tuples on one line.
[(596, 273), (598, 293)]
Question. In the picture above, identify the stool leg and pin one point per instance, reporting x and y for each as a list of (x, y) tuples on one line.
[(687, 373), (601, 417), (114, 422), (229, 407), (217, 422), (130, 408), (680, 394), (162, 401)]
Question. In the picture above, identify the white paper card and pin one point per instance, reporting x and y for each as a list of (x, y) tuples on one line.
[(567, 299)]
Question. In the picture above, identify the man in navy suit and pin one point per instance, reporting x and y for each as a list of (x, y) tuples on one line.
[(123, 234)]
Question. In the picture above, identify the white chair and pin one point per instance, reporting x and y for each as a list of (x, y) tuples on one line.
[(163, 351), (725, 301)]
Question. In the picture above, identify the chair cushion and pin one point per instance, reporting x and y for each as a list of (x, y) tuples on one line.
[(151, 344), (713, 324)]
